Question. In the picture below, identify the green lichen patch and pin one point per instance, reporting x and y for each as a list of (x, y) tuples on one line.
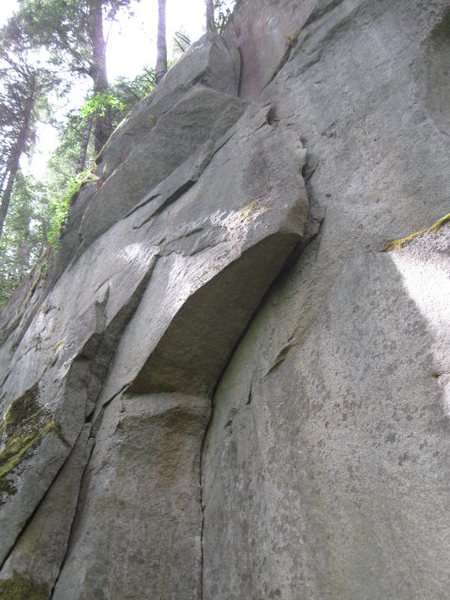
[(7, 488), (402, 242), (21, 588), (24, 426), (23, 412)]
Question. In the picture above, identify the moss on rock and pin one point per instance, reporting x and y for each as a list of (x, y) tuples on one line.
[(23, 412), (402, 242), (7, 488), (24, 425), (21, 588)]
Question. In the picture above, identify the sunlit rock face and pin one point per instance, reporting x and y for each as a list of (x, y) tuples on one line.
[(230, 385)]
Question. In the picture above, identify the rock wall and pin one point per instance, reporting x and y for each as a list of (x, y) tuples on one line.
[(229, 384)]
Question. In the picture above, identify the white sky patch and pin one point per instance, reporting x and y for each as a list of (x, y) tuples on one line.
[(7, 7), (132, 40)]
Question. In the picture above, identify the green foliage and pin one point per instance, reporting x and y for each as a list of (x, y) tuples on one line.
[(98, 104), (25, 234), (63, 28), (128, 92), (23, 89), (36, 217), (62, 31), (72, 34), (24, 409), (223, 11), (38, 210), (120, 98), (59, 204), (61, 182)]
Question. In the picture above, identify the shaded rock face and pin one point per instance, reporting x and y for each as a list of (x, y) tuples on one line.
[(229, 385)]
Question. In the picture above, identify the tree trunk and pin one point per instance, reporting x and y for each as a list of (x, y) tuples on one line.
[(17, 151), (103, 124), (210, 26), (3, 179), (24, 253), (161, 46), (81, 162)]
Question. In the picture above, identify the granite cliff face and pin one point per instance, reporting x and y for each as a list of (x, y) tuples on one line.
[(229, 384)]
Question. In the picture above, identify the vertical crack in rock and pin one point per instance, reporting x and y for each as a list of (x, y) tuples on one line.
[(311, 231), (73, 521)]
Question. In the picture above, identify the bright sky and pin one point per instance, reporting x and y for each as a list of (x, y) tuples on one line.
[(131, 46), (6, 8), (132, 40)]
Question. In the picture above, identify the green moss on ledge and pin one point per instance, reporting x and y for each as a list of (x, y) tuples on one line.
[(7, 488), (402, 242), (20, 588), (24, 426)]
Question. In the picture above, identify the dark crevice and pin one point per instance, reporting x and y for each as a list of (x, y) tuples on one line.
[(108, 339), (202, 499), (271, 117), (96, 417), (283, 61), (175, 196), (72, 526), (2, 383), (202, 248), (241, 66), (142, 204), (250, 395), (189, 234), (280, 358), (120, 322), (214, 147)]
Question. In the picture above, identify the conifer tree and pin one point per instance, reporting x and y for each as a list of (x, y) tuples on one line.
[(23, 86), (73, 33)]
